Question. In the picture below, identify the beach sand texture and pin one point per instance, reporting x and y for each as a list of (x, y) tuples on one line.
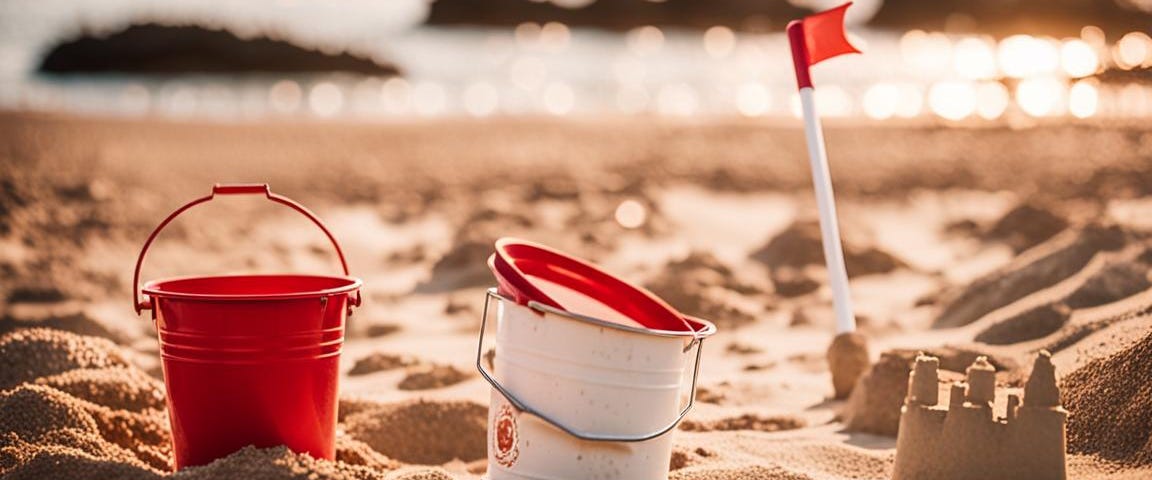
[(961, 243)]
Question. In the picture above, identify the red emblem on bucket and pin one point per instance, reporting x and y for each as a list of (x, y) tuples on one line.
[(505, 437)]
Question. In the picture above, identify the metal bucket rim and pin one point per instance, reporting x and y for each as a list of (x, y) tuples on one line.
[(701, 328), (156, 288)]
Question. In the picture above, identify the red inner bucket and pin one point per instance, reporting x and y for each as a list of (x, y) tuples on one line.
[(250, 359), (517, 262)]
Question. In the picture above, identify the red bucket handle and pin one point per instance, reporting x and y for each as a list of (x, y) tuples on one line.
[(233, 189)]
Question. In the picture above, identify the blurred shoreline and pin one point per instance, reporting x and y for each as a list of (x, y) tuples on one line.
[(1088, 158)]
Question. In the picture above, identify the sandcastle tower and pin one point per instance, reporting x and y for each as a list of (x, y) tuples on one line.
[(966, 440)]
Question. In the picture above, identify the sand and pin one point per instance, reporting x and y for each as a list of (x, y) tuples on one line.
[(1112, 401), (962, 242)]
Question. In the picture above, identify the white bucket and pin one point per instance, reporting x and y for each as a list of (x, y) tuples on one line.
[(580, 397)]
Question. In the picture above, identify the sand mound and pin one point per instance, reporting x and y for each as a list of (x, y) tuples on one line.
[(1026, 226), (34, 412), (424, 432), (685, 457), (351, 405), (1030, 325), (276, 463), (38, 462), (794, 282), (1110, 401), (465, 265), (1041, 267), (379, 362), (146, 435), (419, 473), (736, 473), (1114, 282), (432, 376), (796, 246), (800, 245), (702, 286), (747, 421), (39, 419), (769, 457), (26, 355), (116, 388), (355, 452), (377, 330)]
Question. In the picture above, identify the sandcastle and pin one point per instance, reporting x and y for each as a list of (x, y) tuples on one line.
[(967, 440)]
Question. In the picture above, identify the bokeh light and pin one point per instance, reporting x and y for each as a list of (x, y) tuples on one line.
[(1083, 99), (952, 100), (833, 101), (1094, 36), (481, 99), (1133, 100), (631, 214), (572, 4), (992, 100), (646, 40), (753, 99), (135, 98), (555, 36), (1023, 56), (927, 52), (527, 33), (285, 96), (396, 96), (325, 99), (559, 99), (719, 41), (677, 99), (1040, 97), (911, 101), (429, 99), (528, 73), (1133, 50), (1078, 58), (881, 101), (974, 58), (632, 99)]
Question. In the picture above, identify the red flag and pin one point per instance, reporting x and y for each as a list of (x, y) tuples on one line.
[(817, 38)]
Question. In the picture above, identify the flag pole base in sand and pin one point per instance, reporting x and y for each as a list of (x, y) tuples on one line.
[(847, 360)]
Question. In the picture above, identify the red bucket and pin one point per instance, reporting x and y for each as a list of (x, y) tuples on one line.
[(250, 359)]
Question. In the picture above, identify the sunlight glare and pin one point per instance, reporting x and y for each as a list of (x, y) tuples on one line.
[(881, 101), (1040, 97), (325, 99), (1083, 99), (1024, 56), (753, 99), (285, 96), (719, 41), (481, 99), (992, 99), (631, 214), (975, 59), (559, 99), (1078, 58), (645, 40), (1133, 50), (952, 100)]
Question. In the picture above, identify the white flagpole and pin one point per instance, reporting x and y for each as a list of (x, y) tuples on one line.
[(826, 203)]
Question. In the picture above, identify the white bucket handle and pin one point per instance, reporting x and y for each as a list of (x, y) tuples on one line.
[(697, 341)]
